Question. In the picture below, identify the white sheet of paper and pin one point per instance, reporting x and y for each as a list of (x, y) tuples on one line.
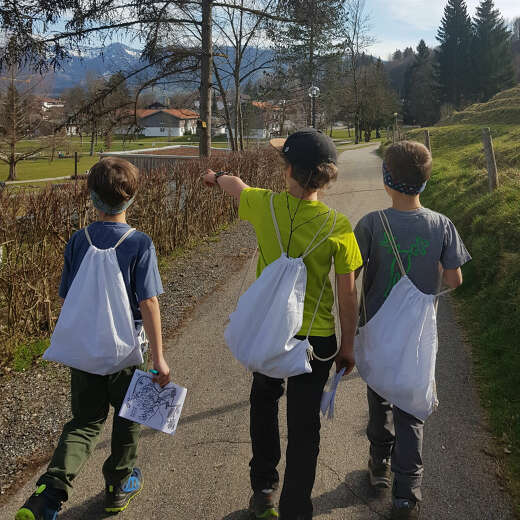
[(149, 404)]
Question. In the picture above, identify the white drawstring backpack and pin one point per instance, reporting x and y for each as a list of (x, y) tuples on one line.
[(96, 331), (261, 330), (397, 349)]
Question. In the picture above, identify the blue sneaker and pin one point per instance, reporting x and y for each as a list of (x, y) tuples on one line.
[(41, 505), (118, 497)]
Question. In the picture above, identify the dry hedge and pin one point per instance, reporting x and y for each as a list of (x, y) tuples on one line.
[(172, 206)]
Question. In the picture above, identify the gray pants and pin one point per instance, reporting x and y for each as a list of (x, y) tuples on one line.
[(397, 435)]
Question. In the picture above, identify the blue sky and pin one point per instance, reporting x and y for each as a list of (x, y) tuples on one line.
[(397, 24)]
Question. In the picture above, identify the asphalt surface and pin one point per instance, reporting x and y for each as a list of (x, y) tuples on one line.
[(202, 472)]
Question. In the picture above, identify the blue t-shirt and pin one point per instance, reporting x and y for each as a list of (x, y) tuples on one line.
[(136, 257)]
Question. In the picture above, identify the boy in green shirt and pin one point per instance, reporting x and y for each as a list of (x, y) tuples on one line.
[(310, 159)]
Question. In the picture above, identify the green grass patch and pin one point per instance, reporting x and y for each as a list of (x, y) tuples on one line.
[(25, 355), (43, 168), (504, 108), (489, 300)]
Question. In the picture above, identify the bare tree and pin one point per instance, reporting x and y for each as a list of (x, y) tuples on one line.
[(356, 42), (240, 55), (29, 41), (20, 118)]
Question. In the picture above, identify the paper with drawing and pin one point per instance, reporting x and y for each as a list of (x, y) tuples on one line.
[(149, 404)]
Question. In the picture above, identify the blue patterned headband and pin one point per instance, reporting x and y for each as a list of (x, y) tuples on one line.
[(105, 208), (402, 187)]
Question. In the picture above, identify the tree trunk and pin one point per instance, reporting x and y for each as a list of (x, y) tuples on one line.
[(92, 141), (227, 115), (12, 169), (241, 127), (205, 79), (237, 111)]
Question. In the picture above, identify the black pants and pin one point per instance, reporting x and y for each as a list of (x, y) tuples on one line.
[(303, 424)]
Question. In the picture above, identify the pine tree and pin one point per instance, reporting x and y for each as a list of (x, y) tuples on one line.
[(397, 56), (492, 53), (307, 40), (422, 104), (454, 55)]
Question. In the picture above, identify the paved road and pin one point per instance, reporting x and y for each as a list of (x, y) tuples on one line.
[(202, 472)]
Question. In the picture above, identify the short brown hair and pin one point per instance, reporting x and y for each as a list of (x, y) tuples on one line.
[(409, 162), (316, 177), (114, 180)]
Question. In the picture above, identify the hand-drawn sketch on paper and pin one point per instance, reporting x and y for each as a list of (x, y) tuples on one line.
[(149, 404)]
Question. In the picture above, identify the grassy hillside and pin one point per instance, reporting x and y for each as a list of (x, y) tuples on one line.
[(504, 108), (489, 300)]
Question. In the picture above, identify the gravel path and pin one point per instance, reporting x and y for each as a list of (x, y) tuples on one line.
[(35, 403)]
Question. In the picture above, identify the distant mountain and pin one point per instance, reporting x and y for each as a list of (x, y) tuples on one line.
[(99, 61), (115, 57)]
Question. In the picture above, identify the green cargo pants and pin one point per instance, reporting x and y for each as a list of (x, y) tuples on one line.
[(91, 397)]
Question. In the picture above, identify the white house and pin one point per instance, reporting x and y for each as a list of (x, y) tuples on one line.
[(50, 103), (167, 122)]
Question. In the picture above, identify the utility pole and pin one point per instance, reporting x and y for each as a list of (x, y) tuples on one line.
[(205, 79)]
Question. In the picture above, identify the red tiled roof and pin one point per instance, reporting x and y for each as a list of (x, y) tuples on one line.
[(182, 113), (145, 112), (179, 113), (265, 105), (49, 100)]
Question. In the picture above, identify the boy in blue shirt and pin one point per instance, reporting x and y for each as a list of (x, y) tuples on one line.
[(432, 253), (113, 184)]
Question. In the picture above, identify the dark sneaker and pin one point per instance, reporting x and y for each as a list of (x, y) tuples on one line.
[(41, 505), (405, 510), (379, 473), (118, 497), (262, 506)]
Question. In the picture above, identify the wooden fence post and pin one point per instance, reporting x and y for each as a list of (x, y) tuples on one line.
[(490, 158), (427, 141)]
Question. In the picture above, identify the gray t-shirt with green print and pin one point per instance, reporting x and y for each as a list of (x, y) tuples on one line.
[(425, 240)]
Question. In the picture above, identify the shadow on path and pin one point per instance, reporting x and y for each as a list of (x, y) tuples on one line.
[(354, 491), (243, 514), (91, 509), (190, 419)]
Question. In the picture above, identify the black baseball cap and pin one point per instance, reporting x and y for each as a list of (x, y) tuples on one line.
[(307, 147)]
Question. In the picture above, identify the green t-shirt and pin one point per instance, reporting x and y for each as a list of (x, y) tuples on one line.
[(255, 207)]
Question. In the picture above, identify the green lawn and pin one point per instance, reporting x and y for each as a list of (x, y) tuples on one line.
[(342, 133), (43, 168)]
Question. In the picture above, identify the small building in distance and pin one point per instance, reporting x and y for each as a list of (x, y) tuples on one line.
[(167, 122), (50, 103)]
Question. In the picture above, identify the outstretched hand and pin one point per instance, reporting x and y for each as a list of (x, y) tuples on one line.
[(209, 178)]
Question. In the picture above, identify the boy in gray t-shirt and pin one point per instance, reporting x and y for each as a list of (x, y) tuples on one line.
[(432, 253)]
